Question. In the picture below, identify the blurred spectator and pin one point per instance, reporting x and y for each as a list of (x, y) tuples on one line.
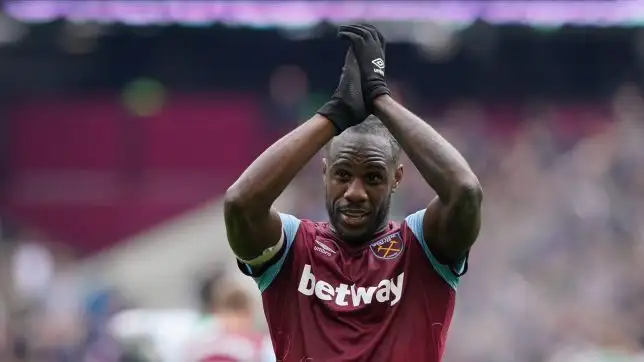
[(226, 333)]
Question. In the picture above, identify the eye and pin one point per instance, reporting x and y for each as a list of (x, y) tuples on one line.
[(374, 178), (342, 175)]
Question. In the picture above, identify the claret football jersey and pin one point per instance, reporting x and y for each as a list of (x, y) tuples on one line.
[(388, 300)]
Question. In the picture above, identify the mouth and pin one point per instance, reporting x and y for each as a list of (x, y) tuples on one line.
[(354, 217)]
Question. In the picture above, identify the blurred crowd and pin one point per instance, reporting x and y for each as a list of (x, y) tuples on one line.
[(556, 274), (49, 312), (557, 270)]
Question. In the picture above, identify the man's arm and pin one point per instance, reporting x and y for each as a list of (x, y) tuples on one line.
[(452, 220), (251, 223), (253, 227)]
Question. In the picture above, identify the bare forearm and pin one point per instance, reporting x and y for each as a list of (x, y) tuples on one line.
[(440, 164), (267, 177)]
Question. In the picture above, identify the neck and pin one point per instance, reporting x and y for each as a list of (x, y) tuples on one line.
[(365, 239)]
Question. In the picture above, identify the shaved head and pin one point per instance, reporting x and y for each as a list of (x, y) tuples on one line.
[(372, 128)]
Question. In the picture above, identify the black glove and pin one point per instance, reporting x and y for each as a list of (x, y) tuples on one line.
[(346, 107), (369, 48)]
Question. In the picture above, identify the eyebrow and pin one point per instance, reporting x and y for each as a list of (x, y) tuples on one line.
[(369, 164), (377, 165)]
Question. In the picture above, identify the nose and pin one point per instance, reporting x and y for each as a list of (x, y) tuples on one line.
[(355, 192)]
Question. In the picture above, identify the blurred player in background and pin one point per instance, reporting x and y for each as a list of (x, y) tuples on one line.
[(227, 333), (360, 287)]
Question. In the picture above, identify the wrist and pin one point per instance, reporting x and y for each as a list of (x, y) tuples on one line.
[(381, 101), (331, 127)]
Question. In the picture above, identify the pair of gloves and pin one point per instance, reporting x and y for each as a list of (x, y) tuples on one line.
[(362, 79)]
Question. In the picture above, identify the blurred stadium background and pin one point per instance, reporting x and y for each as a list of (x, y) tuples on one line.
[(122, 123)]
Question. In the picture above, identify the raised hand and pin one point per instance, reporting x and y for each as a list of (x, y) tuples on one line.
[(346, 107), (369, 48)]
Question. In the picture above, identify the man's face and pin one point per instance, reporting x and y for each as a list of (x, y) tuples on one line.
[(359, 177)]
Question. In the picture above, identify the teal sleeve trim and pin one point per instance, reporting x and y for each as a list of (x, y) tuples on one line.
[(415, 223), (290, 224)]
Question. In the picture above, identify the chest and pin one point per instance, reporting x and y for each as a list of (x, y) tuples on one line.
[(371, 263), (348, 279)]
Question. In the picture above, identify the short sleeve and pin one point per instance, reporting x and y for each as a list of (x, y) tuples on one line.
[(415, 224), (290, 225)]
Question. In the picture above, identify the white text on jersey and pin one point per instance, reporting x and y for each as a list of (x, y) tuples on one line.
[(323, 248), (388, 290)]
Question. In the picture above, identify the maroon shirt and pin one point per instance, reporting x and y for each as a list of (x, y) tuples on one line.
[(389, 300)]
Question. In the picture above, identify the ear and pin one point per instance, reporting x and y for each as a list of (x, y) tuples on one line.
[(398, 176), (324, 168)]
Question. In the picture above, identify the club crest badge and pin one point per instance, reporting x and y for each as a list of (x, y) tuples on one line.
[(389, 247)]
